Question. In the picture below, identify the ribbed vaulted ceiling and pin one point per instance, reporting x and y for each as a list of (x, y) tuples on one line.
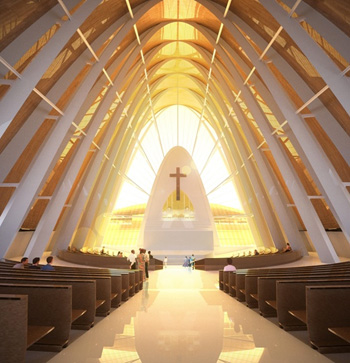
[(81, 79)]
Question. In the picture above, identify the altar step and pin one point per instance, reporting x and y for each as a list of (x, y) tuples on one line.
[(176, 259)]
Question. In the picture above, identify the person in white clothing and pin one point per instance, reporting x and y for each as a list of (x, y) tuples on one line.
[(165, 262), (229, 266), (132, 259)]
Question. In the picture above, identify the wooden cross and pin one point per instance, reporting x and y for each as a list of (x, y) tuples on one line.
[(178, 175)]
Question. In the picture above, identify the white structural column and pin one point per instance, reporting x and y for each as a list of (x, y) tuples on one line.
[(281, 209), (20, 202), (327, 121), (14, 51), (21, 89), (339, 85), (310, 218), (323, 26), (18, 143)]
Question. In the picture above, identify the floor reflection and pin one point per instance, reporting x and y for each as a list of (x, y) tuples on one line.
[(181, 316)]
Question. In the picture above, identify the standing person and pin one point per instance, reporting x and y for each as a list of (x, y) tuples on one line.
[(141, 262), (165, 262), (192, 262), (48, 266), (22, 264), (35, 264), (132, 259), (146, 263), (229, 266)]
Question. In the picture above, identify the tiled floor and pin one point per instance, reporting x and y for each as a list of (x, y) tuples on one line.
[(182, 316)]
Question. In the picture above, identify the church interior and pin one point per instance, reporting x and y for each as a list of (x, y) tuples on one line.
[(213, 128)]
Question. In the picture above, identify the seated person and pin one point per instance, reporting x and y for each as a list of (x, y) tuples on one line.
[(22, 264), (35, 264), (229, 266), (256, 253), (48, 266), (287, 248)]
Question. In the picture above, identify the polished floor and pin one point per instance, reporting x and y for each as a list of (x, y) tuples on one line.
[(182, 316)]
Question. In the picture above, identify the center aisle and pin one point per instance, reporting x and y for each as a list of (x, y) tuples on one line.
[(182, 316)]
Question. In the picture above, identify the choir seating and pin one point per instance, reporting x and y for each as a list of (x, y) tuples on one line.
[(260, 261)]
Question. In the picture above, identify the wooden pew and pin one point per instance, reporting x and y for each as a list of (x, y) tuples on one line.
[(342, 332), (251, 279), (83, 296), (15, 335), (125, 286), (226, 282), (137, 280), (263, 272), (267, 293), (221, 280), (327, 308), (115, 274), (232, 283), (291, 297), (116, 290), (49, 306), (240, 285), (119, 278), (132, 282), (103, 285)]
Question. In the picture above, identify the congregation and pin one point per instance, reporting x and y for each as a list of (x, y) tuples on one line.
[(35, 264)]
